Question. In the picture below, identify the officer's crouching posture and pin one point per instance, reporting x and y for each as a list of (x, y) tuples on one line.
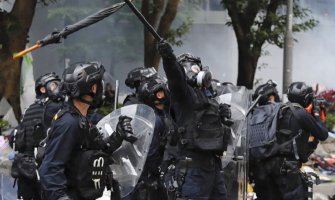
[(76, 157), (279, 177), (198, 172)]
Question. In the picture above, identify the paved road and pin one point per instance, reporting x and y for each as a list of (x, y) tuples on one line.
[(323, 190)]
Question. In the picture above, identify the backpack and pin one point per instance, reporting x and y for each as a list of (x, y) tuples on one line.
[(27, 136), (31, 129), (263, 125), (263, 130)]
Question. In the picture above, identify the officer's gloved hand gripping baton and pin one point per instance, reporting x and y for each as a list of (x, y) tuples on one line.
[(125, 130)]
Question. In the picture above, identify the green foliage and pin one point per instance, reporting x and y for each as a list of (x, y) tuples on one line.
[(174, 35), (102, 36), (105, 110), (129, 45), (268, 25), (4, 124), (330, 121)]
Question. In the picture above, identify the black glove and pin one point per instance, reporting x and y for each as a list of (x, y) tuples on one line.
[(225, 114), (224, 110), (124, 131), (165, 50)]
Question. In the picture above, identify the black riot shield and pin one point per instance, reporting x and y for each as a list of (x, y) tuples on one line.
[(235, 159), (129, 159)]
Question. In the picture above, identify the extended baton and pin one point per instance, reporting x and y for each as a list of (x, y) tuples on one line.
[(143, 20)]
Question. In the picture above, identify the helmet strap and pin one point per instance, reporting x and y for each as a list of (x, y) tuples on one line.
[(84, 100)]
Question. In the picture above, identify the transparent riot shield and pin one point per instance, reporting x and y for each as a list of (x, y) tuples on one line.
[(235, 158), (129, 159)]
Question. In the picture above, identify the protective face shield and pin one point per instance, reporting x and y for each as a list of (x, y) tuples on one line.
[(301, 93), (43, 81), (108, 89), (266, 90), (153, 92), (53, 90), (137, 75)]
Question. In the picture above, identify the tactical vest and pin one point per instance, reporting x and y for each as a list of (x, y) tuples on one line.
[(204, 130), (32, 127), (300, 147)]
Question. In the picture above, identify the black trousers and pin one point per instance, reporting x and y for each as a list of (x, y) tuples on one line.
[(274, 182), (28, 189)]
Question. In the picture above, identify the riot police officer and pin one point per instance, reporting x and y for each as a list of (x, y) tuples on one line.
[(200, 128), (76, 156), (279, 176), (268, 93), (133, 81), (153, 92), (31, 130)]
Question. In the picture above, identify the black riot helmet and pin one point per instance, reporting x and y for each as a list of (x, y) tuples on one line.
[(266, 90), (153, 91), (79, 78), (137, 75), (197, 75), (299, 92), (50, 82)]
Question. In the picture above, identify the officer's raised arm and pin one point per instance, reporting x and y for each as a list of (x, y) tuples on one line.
[(174, 72)]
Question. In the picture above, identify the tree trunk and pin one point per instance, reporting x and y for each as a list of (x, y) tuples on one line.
[(14, 29), (161, 18), (247, 65)]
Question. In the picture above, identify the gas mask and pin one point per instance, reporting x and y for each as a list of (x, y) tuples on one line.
[(53, 90), (196, 76)]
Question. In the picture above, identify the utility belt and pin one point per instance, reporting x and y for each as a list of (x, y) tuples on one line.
[(152, 189), (175, 176), (289, 166)]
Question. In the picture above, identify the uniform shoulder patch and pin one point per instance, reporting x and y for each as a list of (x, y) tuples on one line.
[(60, 113)]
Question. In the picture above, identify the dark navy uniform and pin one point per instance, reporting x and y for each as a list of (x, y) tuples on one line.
[(76, 158), (67, 137), (279, 177)]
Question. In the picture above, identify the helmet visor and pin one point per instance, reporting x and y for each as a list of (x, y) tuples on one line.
[(53, 87)]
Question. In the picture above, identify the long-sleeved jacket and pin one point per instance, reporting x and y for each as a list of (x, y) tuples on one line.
[(311, 126), (66, 139)]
